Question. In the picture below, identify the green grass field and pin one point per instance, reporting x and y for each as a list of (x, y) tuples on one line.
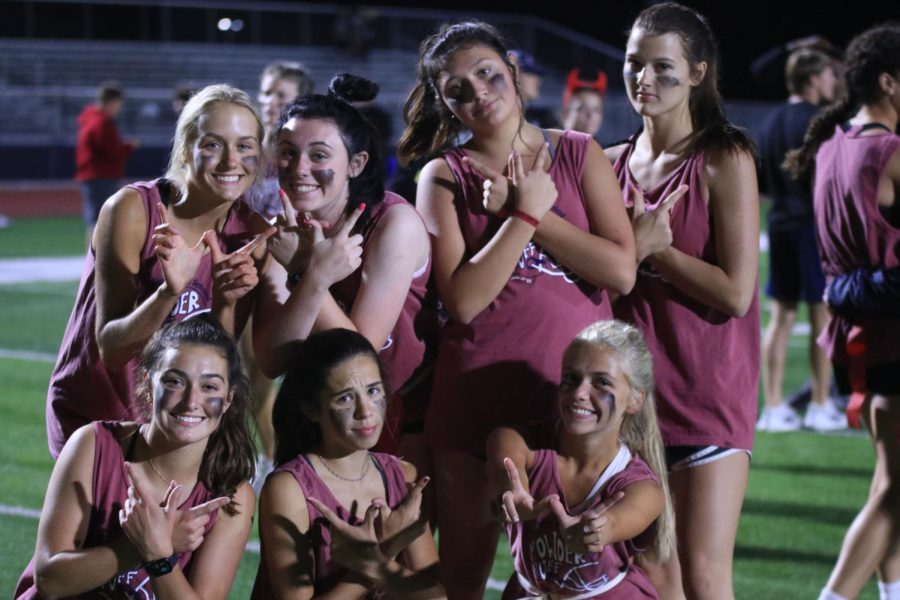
[(804, 488)]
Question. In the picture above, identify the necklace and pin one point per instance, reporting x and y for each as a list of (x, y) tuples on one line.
[(362, 475), (150, 460), (158, 474)]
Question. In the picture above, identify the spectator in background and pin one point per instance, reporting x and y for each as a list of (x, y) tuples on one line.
[(795, 273), (855, 157), (100, 153), (180, 96), (768, 68), (583, 103), (530, 75)]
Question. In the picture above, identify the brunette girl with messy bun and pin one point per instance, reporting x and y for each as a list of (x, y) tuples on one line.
[(330, 170)]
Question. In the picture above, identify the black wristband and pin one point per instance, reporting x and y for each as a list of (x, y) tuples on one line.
[(161, 566), (293, 279)]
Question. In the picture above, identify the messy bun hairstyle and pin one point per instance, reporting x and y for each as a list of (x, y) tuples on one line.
[(357, 133)]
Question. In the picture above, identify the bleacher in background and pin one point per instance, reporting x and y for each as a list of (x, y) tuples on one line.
[(50, 67)]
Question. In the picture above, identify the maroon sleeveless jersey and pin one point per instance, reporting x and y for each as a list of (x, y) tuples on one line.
[(327, 572), (503, 367), (408, 353), (706, 363), (82, 389), (544, 563), (851, 231), (110, 489)]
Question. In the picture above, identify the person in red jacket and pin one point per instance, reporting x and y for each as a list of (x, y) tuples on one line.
[(100, 153)]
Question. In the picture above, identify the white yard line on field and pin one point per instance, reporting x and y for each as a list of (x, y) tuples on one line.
[(44, 268)]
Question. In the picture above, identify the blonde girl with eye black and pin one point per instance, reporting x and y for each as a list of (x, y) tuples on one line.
[(528, 233), (689, 183), (165, 250)]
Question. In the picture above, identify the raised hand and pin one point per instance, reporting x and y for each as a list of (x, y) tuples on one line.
[(234, 275), (179, 262), (653, 229), (190, 527), (589, 532), (355, 547), (535, 191), (496, 186), (148, 525), (292, 243), (398, 528), (517, 503), (333, 259)]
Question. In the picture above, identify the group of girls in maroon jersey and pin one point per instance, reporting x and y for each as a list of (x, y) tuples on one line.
[(620, 474)]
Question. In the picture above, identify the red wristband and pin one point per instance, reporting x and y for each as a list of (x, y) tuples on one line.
[(515, 212)]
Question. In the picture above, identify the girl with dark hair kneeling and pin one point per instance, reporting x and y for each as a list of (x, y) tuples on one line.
[(161, 507), (336, 520)]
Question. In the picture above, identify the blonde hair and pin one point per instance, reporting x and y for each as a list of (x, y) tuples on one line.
[(188, 130), (639, 431)]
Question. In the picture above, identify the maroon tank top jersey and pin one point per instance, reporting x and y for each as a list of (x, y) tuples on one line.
[(82, 389), (327, 572), (408, 353), (110, 489), (546, 566), (851, 231), (503, 367), (706, 363)]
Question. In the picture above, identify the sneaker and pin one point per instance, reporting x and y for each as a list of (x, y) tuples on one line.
[(824, 417), (777, 419)]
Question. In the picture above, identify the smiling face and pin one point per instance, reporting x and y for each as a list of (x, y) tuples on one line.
[(274, 94), (314, 167), (594, 393), (190, 391), (225, 156), (657, 74), (352, 406), (478, 88)]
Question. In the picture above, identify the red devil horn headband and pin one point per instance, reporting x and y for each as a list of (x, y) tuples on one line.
[(574, 84)]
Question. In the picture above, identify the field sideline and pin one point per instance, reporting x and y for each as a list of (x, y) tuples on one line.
[(803, 492)]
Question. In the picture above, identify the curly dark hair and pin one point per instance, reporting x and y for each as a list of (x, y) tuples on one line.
[(871, 53)]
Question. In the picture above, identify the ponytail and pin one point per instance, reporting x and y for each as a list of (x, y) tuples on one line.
[(430, 126), (871, 53), (712, 130), (821, 128)]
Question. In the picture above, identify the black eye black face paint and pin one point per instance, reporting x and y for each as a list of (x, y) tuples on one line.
[(324, 177), (498, 82), (341, 418), (216, 406), (609, 401), (667, 81), (250, 162)]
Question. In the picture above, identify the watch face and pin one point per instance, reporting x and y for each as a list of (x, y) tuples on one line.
[(162, 566)]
